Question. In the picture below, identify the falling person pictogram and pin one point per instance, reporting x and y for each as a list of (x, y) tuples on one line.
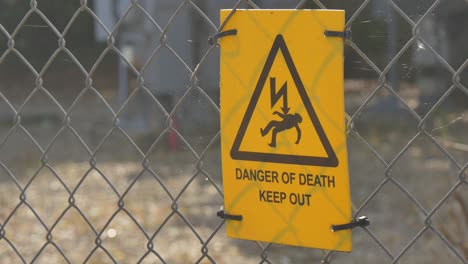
[(278, 96), (288, 121)]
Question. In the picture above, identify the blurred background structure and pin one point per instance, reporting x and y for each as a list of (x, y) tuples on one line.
[(109, 132)]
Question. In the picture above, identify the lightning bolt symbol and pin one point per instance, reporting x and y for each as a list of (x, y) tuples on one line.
[(276, 96)]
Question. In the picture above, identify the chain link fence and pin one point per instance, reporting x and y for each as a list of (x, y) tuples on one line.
[(109, 153)]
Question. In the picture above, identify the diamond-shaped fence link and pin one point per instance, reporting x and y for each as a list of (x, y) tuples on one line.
[(113, 156)]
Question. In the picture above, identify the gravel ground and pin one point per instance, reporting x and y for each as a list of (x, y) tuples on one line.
[(423, 169)]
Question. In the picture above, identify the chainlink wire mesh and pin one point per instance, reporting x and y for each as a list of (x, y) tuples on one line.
[(90, 174)]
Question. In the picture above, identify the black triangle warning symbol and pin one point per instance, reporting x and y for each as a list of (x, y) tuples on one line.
[(330, 160)]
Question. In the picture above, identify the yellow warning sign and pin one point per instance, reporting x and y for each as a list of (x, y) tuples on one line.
[(283, 142)]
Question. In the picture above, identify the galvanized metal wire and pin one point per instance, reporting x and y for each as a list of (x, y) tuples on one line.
[(6, 233)]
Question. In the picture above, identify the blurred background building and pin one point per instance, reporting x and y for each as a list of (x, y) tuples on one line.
[(380, 32)]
